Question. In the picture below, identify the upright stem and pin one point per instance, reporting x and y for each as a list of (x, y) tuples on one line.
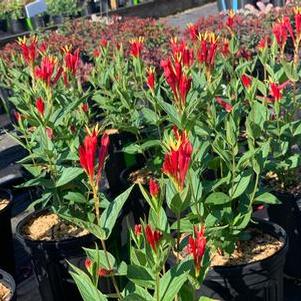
[(158, 286), (110, 268), (178, 235)]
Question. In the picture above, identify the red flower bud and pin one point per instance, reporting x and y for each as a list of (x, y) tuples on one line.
[(88, 263), (103, 42), (153, 237), (154, 188), (40, 106), (49, 132), (246, 80), (17, 115), (196, 247), (228, 107), (138, 230), (151, 77), (85, 107), (103, 272)]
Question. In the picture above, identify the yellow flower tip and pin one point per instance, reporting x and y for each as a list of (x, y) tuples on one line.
[(22, 40), (150, 70), (297, 10), (174, 40), (67, 48), (231, 13), (95, 130)]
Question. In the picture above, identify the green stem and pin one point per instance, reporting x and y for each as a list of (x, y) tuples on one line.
[(158, 286), (178, 235), (110, 268)]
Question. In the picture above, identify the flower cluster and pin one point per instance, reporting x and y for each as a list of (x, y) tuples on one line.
[(177, 159)]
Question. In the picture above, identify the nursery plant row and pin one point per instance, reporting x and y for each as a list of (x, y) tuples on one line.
[(13, 18), (151, 155)]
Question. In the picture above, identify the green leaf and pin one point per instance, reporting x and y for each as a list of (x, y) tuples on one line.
[(68, 174), (75, 197), (85, 285), (141, 276), (240, 187), (207, 299), (217, 198), (91, 227), (110, 214), (267, 198), (173, 280)]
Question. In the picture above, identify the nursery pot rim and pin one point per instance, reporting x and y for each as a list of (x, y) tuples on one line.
[(258, 263), (9, 282), (22, 237), (10, 198)]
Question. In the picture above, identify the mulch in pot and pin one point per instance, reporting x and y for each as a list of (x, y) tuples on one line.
[(5, 292)]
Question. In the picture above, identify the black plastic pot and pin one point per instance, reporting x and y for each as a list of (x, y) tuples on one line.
[(56, 20), (117, 161), (9, 282), (49, 259), (7, 260), (258, 281), (37, 22), (17, 26), (288, 216), (88, 9), (3, 25)]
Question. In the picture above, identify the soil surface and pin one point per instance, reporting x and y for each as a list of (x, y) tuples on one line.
[(50, 227), (4, 292), (293, 187), (141, 176), (3, 203), (259, 247)]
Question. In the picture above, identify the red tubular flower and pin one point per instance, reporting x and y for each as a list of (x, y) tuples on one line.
[(177, 160), (263, 43), (17, 115), (46, 71), (228, 107), (280, 33), (297, 12), (193, 31), (208, 48), (102, 154), (49, 132), (246, 80), (40, 106), (103, 42), (287, 24), (138, 230), (87, 153), (230, 19), (103, 272), (96, 53), (88, 263), (153, 237), (85, 107), (150, 80), (196, 247), (154, 188), (29, 50), (43, 47), (181, 53), (225, 50), (136, 47), (276, 91), (72, 60), (178, 81)]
